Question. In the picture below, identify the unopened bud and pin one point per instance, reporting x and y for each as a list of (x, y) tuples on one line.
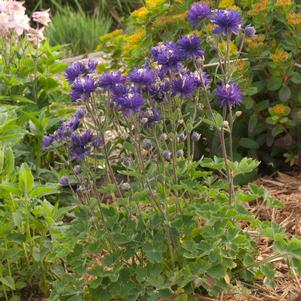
[(195, 136), (164, 137), (125, 186), (238, 113), (167, 155), (180, 153), (225, 124), (147, 144)]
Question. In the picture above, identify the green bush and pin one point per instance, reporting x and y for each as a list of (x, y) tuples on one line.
[(76, 30), (269, 128)]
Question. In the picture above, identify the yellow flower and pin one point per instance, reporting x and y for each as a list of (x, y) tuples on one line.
[(233, 48), (283, 3), (226, 4), (256, 41), (140, 12), (136, 37), (279, 109), (170, 19), (240, 66), (133, 40), (294, 19), (260, 6), (153, 3), (279, 56)]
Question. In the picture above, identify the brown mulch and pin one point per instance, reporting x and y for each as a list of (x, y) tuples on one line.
[(286, 187)]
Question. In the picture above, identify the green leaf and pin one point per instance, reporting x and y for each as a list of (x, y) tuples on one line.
[(252, 123), (217, 271), (246, 165), (26, 179), (248, 143), (9, 187), (8, 281), (274, 84), (296, 78), (40, 191), (278, 129), (285, 93)]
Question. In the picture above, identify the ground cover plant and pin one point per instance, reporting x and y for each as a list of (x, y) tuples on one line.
[(269, 128), (156, 219)]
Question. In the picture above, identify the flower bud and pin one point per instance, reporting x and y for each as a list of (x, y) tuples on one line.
[(64, 181), (195, 136), (250, 31), (125, 186), (238, 113), (164, 137), (167, 155), (182, 137), (180, 153), (225, 124), (77, 169), (147, 144)]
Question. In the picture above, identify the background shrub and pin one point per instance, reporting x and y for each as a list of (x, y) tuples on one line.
[(76, 29)]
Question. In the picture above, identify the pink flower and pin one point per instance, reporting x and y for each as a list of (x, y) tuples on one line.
[(42, 17), (13, 17), (35, 35)]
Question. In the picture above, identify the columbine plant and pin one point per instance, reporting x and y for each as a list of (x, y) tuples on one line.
[(161, 225)]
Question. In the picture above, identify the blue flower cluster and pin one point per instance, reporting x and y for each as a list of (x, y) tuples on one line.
[(80, 144)]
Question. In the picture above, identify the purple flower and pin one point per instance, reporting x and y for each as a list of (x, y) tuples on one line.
[(97, 141), (166, 54), (80, 68), (167, 155), (142, 77), (190, 47), (47, 141), (227, 21), (228, 94), (202, 79), (198, 12), (159, 90), (77, 169), (150, 116), (130, 102), (64, 181), (185, 85), (80, 113), (147, 144), (82, 88), (67, 128), (75, 70), (195, 136), (80, 146), (92, 66), (109, 80), (250, 31), (182, 137)]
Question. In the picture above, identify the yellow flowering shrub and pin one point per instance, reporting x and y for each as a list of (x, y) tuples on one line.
[(279, 56), (154, 3), (256, 42), (260, 6), (227, 4), (140, 13), (294, 18), (283, 3)]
